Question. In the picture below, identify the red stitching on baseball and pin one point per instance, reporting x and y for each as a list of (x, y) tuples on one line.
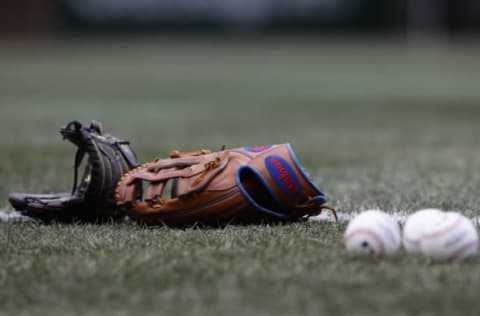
[(372, 233), (461, 250), (415, 241), (446, 229)]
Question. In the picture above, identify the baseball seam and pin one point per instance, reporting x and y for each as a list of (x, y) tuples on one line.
[(371, 233), (444, 230)]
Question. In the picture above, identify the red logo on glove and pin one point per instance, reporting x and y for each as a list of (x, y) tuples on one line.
[(283, 175)]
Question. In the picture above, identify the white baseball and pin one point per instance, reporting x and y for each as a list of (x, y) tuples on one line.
[(372, 233), (414, 226), (451, 237)]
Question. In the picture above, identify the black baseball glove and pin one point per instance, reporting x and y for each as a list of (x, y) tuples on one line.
[(91, 199)]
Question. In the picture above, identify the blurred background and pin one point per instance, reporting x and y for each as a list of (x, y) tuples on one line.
[(179, 66), (365, 79), (69, 17)]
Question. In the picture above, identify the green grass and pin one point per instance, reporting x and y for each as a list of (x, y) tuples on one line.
[(376, 123)]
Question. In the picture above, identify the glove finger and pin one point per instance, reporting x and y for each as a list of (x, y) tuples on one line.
[(17, 200), (46, 207), (22, 201)]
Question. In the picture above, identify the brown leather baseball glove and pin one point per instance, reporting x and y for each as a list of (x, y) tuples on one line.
[(93, 198), (246, 185)]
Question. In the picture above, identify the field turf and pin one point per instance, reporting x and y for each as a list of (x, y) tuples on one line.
[(378, 124)]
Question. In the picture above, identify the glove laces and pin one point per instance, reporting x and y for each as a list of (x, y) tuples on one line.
[(315, 207)]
